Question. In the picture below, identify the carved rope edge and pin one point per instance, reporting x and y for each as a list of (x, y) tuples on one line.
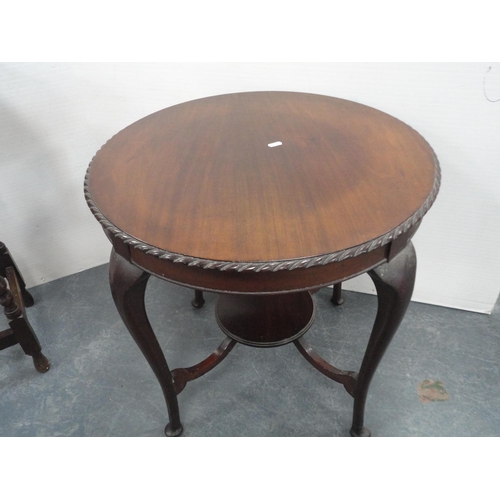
[(273, 266)]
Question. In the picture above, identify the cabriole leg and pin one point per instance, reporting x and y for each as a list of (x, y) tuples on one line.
[(394, 282), (128, 285)]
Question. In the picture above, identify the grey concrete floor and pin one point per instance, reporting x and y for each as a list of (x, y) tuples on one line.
[(99, 383)]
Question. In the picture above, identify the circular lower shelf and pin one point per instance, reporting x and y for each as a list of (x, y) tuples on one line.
[(265, 320)]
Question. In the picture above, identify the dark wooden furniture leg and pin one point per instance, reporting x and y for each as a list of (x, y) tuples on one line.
[(337, 298), (128, 285), (20, 331), (7, 261), (198, 300), (394, 282)]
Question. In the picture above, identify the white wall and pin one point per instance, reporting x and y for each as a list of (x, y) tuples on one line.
[(55, 116)]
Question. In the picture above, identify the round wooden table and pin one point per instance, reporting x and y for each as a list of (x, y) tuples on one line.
[(263, 197)]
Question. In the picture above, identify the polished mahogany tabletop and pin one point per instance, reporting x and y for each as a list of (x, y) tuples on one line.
[(282, 179)]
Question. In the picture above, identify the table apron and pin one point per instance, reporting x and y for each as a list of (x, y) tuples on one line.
[(262, 282)]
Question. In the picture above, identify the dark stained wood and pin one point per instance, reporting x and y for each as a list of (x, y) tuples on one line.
[(20, 331), (337, 299), (346, 378), (6, 261), (128, 285), (181, 376), (265, 320), (394, 282), (193, 194), (198, 300), (199, 178), (250, 282)]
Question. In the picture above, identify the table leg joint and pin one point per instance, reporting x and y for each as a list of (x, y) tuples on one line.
[(347, 378), (181, 376)]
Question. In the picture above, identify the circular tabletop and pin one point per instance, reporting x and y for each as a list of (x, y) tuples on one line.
[(260, 177)]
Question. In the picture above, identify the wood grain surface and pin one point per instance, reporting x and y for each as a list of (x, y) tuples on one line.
[(200, 179)]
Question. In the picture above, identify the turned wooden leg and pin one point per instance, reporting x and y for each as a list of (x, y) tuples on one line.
[(394, 282), (128, 285), (7, 261)]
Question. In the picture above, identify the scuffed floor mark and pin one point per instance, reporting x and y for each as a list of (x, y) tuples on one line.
[(431, 391)]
